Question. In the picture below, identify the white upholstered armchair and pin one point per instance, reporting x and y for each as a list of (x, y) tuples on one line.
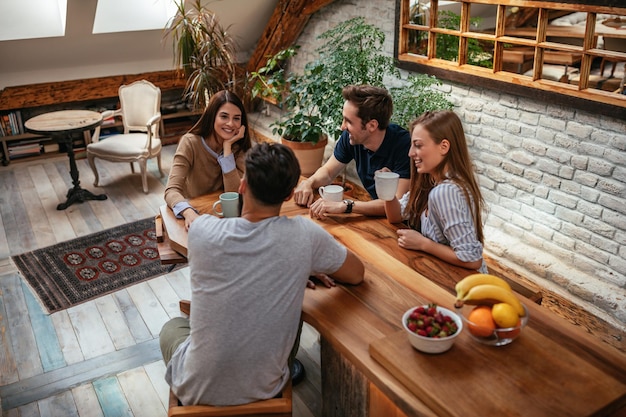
[(140, 112)]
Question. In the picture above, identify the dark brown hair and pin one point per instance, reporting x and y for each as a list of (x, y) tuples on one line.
[(204, 127), (374, 103), (446, 125), (272, 172)]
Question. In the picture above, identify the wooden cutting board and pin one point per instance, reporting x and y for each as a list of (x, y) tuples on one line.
[(464, 381)]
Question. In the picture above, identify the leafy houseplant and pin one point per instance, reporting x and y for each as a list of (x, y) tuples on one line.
[(269, 82), (417, 97), (204, 51)]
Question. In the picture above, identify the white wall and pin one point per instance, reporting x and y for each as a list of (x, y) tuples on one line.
[(554, 179), (80, 54)]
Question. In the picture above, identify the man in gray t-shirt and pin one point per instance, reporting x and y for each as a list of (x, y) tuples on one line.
[(248, 278)]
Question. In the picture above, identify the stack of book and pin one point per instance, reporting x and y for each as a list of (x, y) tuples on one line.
[(11, 124), (25, 148)]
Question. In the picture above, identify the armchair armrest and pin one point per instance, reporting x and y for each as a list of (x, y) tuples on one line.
[(108, 114), (154, 119), (152, 127)]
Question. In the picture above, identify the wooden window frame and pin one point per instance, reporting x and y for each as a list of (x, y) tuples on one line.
[(569, 95)]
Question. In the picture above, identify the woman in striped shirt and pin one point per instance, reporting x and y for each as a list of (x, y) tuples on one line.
[(444, 204)]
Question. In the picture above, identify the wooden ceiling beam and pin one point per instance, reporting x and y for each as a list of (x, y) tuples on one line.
[(283, 28), (44, 94)]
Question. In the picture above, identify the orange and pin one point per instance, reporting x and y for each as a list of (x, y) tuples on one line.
[(482, 323)]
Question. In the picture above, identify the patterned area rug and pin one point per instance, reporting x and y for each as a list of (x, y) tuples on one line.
[(88, 267)]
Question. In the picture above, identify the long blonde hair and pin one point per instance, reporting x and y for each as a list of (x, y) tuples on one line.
[(442, 125)]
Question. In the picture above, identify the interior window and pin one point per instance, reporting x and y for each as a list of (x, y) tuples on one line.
[(573, 53)]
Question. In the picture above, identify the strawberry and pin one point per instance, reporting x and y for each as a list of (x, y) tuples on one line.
[(428, 322)]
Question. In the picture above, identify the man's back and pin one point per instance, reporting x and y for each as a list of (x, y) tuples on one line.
[(248, 281)]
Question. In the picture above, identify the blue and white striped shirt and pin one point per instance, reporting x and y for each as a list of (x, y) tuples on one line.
[(449, 221)]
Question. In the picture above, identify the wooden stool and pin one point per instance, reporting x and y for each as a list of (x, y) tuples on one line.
[(274, 407)]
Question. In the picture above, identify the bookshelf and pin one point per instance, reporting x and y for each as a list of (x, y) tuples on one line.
[(18, 104)]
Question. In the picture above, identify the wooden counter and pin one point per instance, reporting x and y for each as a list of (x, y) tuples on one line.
[(369, 368)]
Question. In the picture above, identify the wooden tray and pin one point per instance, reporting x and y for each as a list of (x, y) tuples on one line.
[(463, 382)]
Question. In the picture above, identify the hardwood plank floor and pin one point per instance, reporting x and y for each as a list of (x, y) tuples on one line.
[(100, 358)]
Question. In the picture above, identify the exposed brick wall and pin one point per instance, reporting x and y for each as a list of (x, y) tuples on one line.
[(554, 179)]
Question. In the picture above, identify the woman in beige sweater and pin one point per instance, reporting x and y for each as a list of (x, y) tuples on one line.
[(210, 156)]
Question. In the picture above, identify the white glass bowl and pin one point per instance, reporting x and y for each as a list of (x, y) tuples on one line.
[(497, 337), (430, 344)]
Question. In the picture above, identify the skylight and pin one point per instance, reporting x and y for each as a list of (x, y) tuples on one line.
[(126, 16), (28, 19)]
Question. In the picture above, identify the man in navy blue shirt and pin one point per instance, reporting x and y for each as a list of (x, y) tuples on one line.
[(372, 142)]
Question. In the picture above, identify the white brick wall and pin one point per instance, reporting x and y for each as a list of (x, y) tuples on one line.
[(554, 179)]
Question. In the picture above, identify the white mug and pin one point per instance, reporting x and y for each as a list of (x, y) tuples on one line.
[(386, 184), (332, 193), (229, 205)]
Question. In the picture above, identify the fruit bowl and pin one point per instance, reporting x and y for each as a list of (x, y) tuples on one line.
[(435, 344), (491, 336)]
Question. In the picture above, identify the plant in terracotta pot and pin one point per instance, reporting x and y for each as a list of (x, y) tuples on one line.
[(203, 50)]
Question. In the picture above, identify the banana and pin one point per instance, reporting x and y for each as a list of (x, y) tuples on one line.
[(466, 284), (489, 293)]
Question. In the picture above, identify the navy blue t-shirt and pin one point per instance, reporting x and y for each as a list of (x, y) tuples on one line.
[(393, 154)]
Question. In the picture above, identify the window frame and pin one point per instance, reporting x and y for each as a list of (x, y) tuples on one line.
[(595, 101)]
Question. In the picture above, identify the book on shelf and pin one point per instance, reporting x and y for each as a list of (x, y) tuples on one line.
[(108, 121), (11, 124), (50, 147), (25, 149), (25, 141)]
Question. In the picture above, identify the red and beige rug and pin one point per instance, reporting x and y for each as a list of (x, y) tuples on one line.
[(88, 267)]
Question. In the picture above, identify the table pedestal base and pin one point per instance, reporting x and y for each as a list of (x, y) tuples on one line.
[(75, 194), (79, 195)]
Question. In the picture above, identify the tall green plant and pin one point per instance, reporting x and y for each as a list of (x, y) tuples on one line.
[(203, 50), (417, 97)]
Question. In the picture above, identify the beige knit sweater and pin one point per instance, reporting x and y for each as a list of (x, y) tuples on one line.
[(196, 172)]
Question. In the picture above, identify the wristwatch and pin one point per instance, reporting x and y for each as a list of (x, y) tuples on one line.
[(349, 204)]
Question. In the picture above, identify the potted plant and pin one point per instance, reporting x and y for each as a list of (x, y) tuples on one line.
[(203, 50), (351, 53)]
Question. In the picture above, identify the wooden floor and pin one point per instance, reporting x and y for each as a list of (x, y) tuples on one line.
[(100, 358)]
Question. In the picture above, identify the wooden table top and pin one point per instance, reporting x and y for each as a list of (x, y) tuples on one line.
[(553, 368), (63, 121)]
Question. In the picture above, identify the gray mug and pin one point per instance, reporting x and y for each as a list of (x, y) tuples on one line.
[(228, 205)]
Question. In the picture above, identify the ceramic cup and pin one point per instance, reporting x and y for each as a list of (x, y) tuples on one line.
[(332, 193), (227, 205), (386, 185)]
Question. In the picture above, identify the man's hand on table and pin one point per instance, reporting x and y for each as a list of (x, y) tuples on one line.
[(324, 279), (303, 194), (320, 208)]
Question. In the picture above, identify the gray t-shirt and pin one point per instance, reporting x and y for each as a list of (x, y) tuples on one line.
[(247, 284)]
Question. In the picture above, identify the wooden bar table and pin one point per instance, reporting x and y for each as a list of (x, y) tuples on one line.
[(369, 368), (60, 125)]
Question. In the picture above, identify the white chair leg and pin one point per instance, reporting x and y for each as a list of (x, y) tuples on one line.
[(144, 174), (91, 158), (132, 167)]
